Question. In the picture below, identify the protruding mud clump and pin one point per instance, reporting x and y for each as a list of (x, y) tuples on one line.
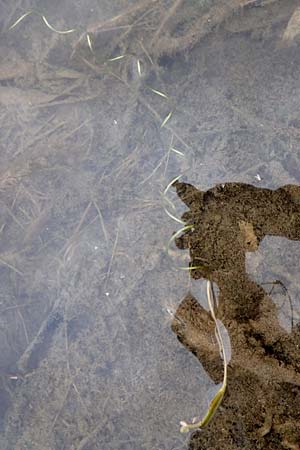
[(230, 220)]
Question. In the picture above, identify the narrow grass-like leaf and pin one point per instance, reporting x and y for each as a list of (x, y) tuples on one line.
[(20, 19), (138, 63), (161, 94), (174, 217), (170, 184), (166, 119), (178, 152), (178, 233), (89, 41), (55, 30), (225, 350), (117, 58)]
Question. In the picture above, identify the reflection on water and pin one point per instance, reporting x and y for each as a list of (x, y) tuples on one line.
[(91, 356)]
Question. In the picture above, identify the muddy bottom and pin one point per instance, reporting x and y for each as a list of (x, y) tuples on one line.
[(230, 220), (102, 103)]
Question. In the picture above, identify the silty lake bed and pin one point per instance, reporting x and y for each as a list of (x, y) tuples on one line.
[(106, 343)]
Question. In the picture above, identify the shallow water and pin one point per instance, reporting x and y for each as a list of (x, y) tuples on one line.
[(88, 356)]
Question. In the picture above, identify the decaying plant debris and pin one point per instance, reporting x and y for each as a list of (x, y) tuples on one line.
[(156, 28), (292, 30), (83, 164)]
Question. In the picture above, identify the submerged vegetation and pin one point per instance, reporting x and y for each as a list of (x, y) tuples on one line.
[(151, 29), (223, 341), (136, 49)]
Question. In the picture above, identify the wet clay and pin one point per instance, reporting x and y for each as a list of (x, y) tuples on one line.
[(260, 410)]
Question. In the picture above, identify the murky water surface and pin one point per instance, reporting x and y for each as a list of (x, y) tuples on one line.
[(107, 341)]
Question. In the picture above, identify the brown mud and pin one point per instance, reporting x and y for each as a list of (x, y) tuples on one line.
[(260, 408)]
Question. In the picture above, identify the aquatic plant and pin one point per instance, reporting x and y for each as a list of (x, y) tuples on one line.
[(225, 352), (45, 20)]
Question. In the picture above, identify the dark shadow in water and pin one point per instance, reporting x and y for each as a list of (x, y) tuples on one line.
[(228, 221)]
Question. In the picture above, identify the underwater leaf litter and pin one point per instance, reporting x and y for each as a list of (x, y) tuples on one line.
[(216, 231)]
